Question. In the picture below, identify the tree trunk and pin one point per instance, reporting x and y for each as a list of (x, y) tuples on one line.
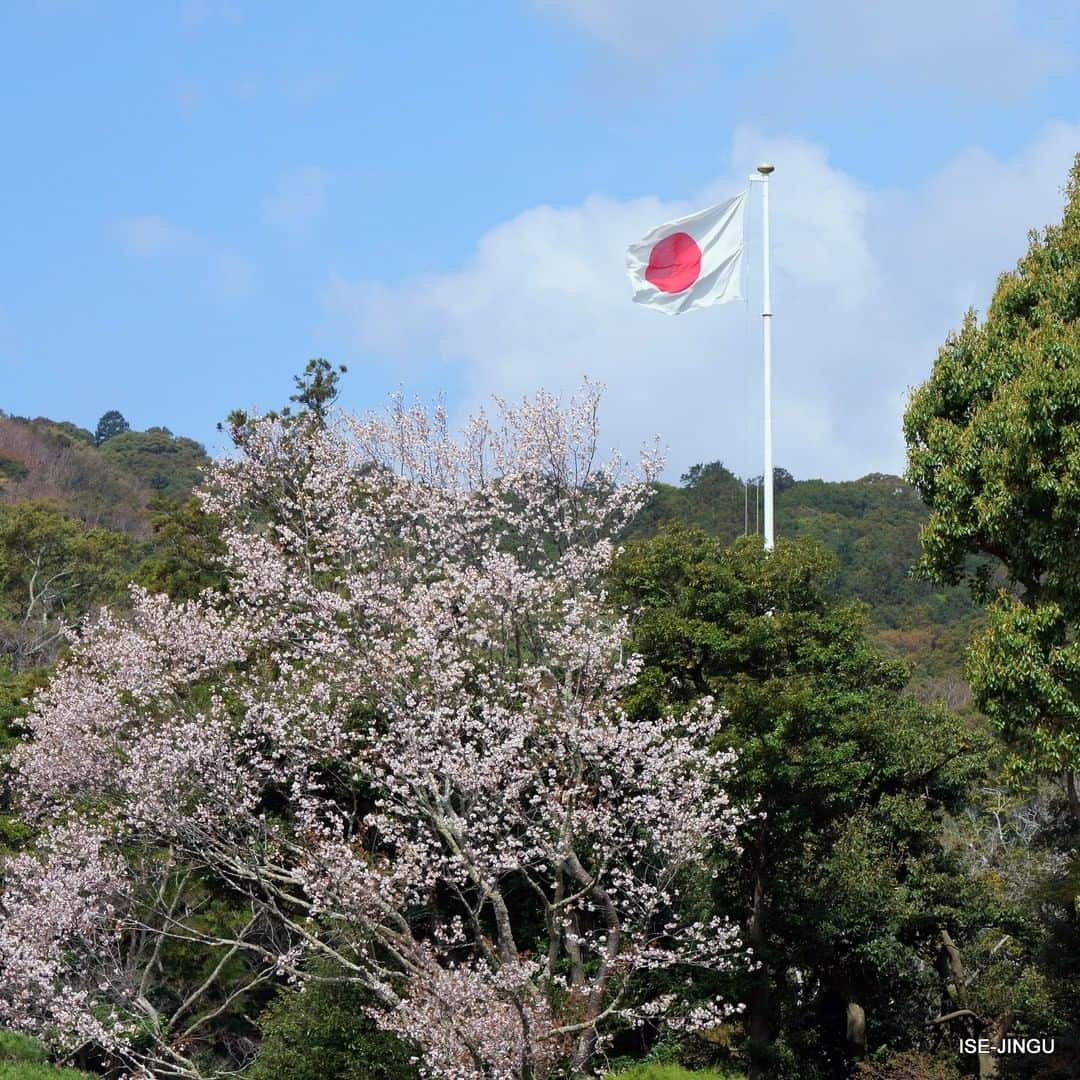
[(583, 1052), (951, 969), (1074, 799), (757, 1004), (855, 1032), (988, 1063)]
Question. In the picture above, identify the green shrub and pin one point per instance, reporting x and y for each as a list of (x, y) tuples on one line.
[(322, 1033), (655, 1070), (12, 470), (906, 1066)]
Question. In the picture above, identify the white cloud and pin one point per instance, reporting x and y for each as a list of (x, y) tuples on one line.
[(974, 46), (195, 13), (152, 237), (633, 27), (225, 272), (867, 283), (298, 201), (310, 86)]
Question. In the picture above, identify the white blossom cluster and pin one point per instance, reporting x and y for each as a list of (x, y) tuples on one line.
[(397, 728)]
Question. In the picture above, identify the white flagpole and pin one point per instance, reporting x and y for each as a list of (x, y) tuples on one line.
[(766, 321)]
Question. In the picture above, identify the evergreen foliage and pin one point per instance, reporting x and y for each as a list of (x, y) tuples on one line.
[(844, 879), (659, 1071), (185, 553), (109, 426), (318, 387), (992, 449), (54, 568), (872, 527), (157, 460), (323, 1032)]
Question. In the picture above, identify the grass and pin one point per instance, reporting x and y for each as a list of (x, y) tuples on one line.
[(21, 1070), (24, 1058)]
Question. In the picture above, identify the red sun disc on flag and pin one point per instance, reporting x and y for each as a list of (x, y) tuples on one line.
[(674, 263)]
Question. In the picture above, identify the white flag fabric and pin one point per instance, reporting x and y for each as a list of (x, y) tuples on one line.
[(690, 263)]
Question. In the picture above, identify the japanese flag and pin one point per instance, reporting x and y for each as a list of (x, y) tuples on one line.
[(692, 262)]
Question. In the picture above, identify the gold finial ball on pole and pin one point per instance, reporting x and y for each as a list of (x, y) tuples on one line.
[(765, 168)]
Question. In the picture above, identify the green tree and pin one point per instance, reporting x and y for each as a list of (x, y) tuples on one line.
[(782, 480), (156, 459), (111, 423), (711, 496), (187, 550), (53, 568), (843, 884), (872, 526), (993, 449), (322, 1033), (317, 388), (15, 688)]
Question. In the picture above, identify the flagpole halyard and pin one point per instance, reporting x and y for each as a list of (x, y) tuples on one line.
[(766, 319)]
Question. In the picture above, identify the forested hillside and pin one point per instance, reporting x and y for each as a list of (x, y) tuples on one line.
[(90, 503), (108, 478), (82, 514), (872, 527)]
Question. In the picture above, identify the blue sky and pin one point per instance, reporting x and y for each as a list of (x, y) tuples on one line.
[(198, 195)]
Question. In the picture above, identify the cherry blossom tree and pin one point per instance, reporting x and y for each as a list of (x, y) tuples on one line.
[(394, 743)]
